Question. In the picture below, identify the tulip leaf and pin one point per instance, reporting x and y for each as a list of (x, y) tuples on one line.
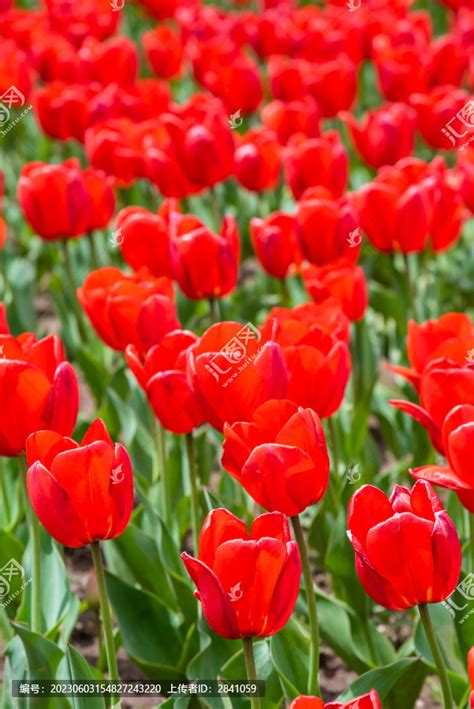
[(148, 630), (234, 669), (75, 668), (42, 659), (11, 551), (408, 673), (290, 652)]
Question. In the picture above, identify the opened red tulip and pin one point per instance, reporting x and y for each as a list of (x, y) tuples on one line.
[(288, 118), (333, 85), (247, 582), (275, 241), (314, 343), (83, 492), (280, 457), (407, 548), (204, 264), (340, 281), (458, 442), (116, 146), (63, 110), (258, 161), (384, 135), (366, 701), (316, 161), (233, 370), (124, 309), (162, 375), (38, 388), (62, 201), (99, 60), (164, 50), (78, 21), (326, 227)]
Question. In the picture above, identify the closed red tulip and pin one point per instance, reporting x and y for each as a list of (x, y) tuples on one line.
[(287, 78), (81, 493), (208, 151), (14, 70), (234, 369), (162, 375), (78, 21), (402, 70), (143, 240), (100, 60), (247, 582), (275, 241), (61, 201), (124, 309), (287, 118), (385, 135), (437, 118), (366, 701), (325, 226), (205, 264), (164, 51), (407, 548), (258, 160), (458, 441), (450, 336), (63, 110), (334, 85), (316, 162), (280, 458), (116, 146), (54, 57), (314, 343), (38, 389), (341, 282), (243, 75), (443, 386)]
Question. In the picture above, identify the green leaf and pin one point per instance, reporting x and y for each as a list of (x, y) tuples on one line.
[(234, 669), (43, 656), (75, 668), (290, 652), (406, 672)]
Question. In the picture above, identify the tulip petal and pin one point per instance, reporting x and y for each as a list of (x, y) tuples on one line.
[(219, 526), (44, 446), (61, 410), (368, 506), (286, 591)]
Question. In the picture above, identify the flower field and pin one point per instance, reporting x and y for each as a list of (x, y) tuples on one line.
[(237, 354)]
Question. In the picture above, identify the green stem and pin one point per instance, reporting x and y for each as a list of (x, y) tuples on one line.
[(215, 206), (193, 479), (313, 679), (106, 617), (160, 444), (437, 656), (471, 541), (250, 668), (285, 293), (94, 255), (34, 535), (410, 286), (214, 310), (335, 457), (70, 274)]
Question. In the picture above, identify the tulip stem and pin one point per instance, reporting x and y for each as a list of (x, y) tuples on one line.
[(437, 656), (95, 257), (313, 679), (471, 540), (250, 668), (285, 293), (161, 455), (75, 304), (106, 617), (193, 479), (34, 534), (410, 286), (214, 310)]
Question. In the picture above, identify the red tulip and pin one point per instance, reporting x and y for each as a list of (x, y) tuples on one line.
[(162, 375), (62, 201), (314, 342), (316, 161), (54, 57), (258, 160), (366, 701), (208, 151), (100, 60), (81, 493), (443, 386), (63, 110), (325, 226), (143, 240), (233, 370), (205, 264), (275, 242), (164, 51), (247, 583), (78, 21), (333, 85), (451, 337), (280, 458), (160, 9), (465, 172), (407, 548), (341, 282), (385, 135), (123, 309), (14, 71), (287, 78), (116, 146), (402, 70), (438, 117), (38, 388), (288, 118), (243, 75), (458, 441)]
